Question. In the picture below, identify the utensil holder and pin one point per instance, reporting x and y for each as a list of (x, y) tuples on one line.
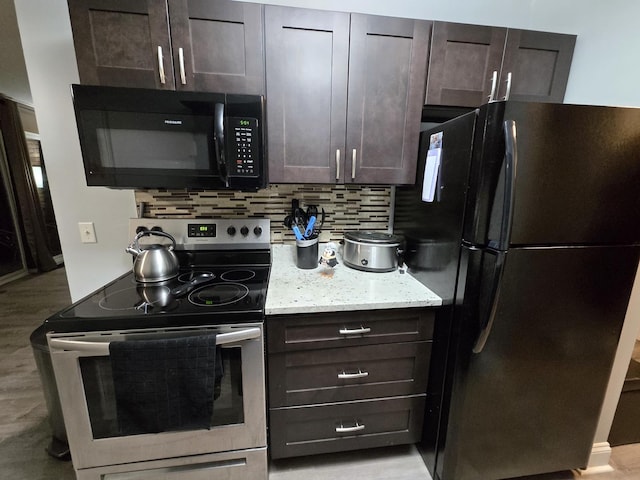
[(307, 253)]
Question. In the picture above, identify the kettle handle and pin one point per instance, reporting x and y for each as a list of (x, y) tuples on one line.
[(159, 233)]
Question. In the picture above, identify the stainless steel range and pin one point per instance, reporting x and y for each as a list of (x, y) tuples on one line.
[(218, 293)]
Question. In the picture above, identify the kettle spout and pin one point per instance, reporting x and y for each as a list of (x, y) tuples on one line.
[(132, 250)]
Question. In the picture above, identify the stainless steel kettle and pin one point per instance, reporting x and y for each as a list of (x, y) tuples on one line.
[(155, 262)]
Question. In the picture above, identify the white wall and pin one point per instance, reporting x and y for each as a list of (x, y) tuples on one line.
[(51, 66), (605, 71)]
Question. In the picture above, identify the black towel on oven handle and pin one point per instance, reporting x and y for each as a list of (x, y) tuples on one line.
[(163, 385)]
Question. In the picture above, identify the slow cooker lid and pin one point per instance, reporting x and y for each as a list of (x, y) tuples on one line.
[(368, 236)]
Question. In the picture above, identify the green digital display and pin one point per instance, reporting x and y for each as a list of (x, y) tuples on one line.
[(244, 123), (201, 230)]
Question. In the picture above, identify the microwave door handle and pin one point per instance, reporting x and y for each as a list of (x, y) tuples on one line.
[(218, 139), (96, 348)]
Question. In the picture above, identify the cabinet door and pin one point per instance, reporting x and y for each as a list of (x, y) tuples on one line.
[(538, 63), (217, 46), (462, 63), (339, 427), (387, 76), (120, 43), (306, 72), (351, 373)]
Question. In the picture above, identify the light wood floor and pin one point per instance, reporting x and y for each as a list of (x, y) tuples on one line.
[(24, 432)]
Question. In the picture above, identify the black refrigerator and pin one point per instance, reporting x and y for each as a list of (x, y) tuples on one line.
[(525, 219)]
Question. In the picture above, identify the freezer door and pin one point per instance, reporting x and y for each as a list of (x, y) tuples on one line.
[(433, 229), (576, 175), (529, 401)]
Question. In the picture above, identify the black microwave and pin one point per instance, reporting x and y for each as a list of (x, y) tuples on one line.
[(142, 138)]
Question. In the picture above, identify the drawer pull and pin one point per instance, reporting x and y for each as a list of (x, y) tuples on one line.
[(354, 331), (356, 428), (359, 374)]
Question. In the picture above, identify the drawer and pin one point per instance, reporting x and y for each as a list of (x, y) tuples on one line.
[(368, 327), (351, 373), (296, 431), (235, 465)]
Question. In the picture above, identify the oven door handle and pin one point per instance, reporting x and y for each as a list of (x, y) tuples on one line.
[(102, 348)]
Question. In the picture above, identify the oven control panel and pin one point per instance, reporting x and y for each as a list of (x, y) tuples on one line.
[(202, 233)]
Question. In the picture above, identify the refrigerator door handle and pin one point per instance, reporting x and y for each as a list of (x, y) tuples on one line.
[(511, 162), (485, 331)]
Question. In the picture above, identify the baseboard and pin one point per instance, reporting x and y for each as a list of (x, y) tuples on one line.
[(598, 461)]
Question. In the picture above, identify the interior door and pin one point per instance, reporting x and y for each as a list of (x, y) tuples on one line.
[(12, 261)]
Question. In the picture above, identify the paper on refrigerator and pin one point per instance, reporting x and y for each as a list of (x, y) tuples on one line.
[(432, 168)]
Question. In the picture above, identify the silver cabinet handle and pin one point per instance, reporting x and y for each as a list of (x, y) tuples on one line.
[(508, 92), (99, 347), (494, 84), (353, 164), (163, 79), (349, 376), (354, 331), (183, 77), (337, 164), (356, 428)]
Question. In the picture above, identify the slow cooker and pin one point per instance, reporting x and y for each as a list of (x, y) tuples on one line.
[(372, 251)]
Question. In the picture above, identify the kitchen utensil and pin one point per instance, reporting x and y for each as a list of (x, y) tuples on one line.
[(297, 232), (309, 230), (191, 284), (372, 251), (156, 262)]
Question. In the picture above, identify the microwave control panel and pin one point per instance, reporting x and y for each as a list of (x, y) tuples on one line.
[(244, 146)]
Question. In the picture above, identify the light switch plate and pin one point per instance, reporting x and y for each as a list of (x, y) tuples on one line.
[(87, 232)]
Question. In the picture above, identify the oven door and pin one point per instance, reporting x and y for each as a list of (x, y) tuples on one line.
[(84, 378)]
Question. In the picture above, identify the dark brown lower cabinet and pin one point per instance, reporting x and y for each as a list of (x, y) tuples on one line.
[(346, 381), (336, 427)]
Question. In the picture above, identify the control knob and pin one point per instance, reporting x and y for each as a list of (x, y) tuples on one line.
[(244, 231), (257, 231), (231, 231)]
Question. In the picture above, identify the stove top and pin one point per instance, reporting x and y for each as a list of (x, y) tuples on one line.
[(232, 290)]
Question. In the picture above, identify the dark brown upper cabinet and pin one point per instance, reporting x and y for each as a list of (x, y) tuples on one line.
[(472, 64), (344, 96), (537, 64), (201, 45)]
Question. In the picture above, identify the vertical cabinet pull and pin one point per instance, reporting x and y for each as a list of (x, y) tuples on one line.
[(353, 164), (337, 164), (163, 79), (349, 376), (508, 92), (354, 331), (183, 77), (355, 428), (494, 84)]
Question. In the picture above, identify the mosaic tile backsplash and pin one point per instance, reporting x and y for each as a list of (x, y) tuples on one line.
[(346, 207)]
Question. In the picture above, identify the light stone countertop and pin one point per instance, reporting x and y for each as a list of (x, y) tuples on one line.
[(293, 290)]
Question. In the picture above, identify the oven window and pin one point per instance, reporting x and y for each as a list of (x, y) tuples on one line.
[(228, 405), (129, 148), (150, 141)]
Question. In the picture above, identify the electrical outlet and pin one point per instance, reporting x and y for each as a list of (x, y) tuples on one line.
[(87, 232)]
